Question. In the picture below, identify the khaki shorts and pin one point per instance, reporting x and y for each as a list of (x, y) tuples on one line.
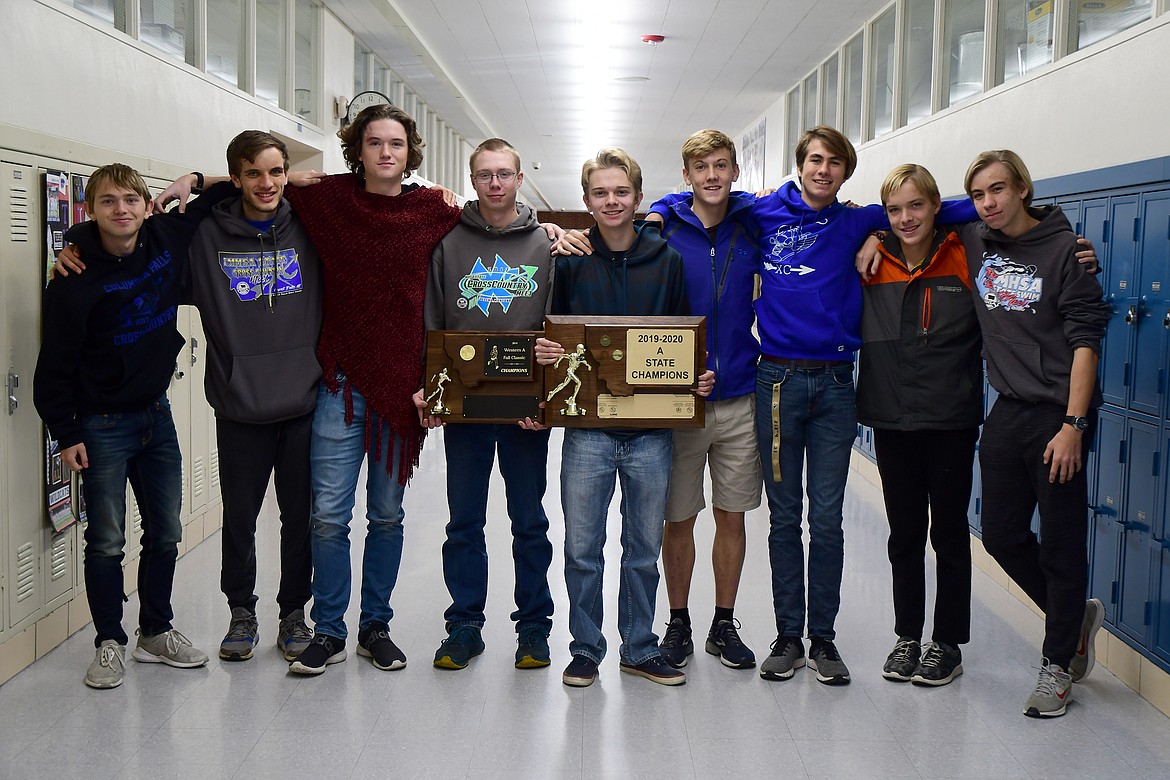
[(728, 443)]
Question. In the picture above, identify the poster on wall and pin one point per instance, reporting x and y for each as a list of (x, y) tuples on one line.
[(79, 184), (58, 478), (751, 158)]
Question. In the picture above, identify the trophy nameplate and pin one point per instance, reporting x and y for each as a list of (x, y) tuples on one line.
[(490, 376), (625, 372)]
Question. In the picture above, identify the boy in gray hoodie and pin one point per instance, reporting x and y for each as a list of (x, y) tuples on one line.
[(1042, 320)]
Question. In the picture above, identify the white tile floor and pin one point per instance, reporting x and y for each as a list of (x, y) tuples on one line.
[(254, 720)]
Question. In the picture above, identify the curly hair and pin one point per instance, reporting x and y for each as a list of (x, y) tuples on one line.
[(354, 133)]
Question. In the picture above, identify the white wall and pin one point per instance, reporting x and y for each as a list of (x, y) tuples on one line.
[(1105, 106), (72, 82)]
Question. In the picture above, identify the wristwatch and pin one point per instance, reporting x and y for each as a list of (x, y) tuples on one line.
[(1080, 423)]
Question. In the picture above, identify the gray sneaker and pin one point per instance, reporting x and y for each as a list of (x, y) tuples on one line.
[(1052, 695), (787, 656), (108, 667), (243, 634), (1083, 661), (294, 636), (824, 658), (170, 648)]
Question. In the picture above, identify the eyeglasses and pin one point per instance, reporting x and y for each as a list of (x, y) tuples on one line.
[(485, 178)]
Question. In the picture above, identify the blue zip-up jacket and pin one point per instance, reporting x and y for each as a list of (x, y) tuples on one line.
[(720, 284), (810, 299), (647, 280)]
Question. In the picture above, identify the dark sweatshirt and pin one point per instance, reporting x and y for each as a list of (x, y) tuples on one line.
[(482, 278), (109, 338), (262, 359), (1035, 304)]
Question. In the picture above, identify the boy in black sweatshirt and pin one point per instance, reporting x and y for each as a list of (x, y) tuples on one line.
[(108, 351)]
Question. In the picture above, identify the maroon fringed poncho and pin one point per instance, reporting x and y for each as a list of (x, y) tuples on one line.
[(375, 250)]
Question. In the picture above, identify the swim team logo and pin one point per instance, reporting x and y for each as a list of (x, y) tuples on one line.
[(1005, 284), (499, 284), (786, 243)]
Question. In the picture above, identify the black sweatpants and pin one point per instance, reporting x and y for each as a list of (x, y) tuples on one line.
[(1052, 570), (248, 455), (921, 471)]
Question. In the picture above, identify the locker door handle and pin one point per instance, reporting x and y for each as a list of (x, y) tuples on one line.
[(1131, 315), (1166, 321), (178, 371), (194, 346), (13, 383)]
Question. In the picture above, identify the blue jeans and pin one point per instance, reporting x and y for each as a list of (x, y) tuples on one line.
[(471, 450), (142, 447), (818, 416), (336, 455), (589, 461)]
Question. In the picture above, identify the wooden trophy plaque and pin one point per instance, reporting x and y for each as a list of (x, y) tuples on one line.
[(483, 376), (625, 372)]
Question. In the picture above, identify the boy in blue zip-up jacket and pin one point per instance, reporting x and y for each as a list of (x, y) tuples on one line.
[(713, 229)]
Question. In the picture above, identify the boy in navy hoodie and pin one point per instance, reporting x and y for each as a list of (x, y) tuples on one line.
[(631, 271), (107, 355)]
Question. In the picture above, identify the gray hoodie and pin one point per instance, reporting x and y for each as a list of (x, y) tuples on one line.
[(482, 278), (262, 358), (1035, 305)]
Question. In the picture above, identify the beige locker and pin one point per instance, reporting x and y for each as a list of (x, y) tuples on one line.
[(21, 276)]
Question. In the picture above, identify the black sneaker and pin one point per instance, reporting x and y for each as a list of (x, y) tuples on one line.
[(374, 643), (902, 661), (656, 670), (676, 643), (580, 673), (321, 652), (940, 664), (826, 661), (532, 648), (463, 643), (724, 642)]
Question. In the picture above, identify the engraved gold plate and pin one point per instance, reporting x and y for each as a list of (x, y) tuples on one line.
[(467, 352), (660, 356), (658, 406)]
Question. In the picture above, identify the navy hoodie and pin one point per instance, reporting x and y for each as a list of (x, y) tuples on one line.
[(810, 299)]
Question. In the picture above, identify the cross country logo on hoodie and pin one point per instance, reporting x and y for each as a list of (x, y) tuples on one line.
[(786, 243), (499, 284), (1005, 284), (250, 273)]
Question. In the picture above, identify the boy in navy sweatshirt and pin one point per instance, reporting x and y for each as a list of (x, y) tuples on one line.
[(107, 355), (631, 271)]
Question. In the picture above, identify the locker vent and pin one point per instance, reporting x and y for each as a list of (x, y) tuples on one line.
[(26, 572), (59, 558), (198, 476), (137, 519), (215, 468), (18, 206)]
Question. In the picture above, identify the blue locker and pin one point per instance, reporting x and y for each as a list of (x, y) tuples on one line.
[(1148, 386), (1137, 550), (1105, 511), (975, 506), (1120, 292), (1160, 637)]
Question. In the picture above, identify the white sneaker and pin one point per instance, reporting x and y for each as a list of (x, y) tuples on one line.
[(1085, 657), (170, 648), (108, 667)]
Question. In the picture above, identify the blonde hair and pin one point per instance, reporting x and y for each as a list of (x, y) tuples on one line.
[(1011, 161), (704, 142), (117, 175), (914, 174), (612, 157)]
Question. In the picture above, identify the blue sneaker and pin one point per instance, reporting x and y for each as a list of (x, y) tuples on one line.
[(461, 645), (580, 673), (532, 648), (655, 669)]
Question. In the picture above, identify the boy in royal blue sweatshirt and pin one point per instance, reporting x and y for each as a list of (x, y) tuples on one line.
[(631, 271), (107, 355)]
